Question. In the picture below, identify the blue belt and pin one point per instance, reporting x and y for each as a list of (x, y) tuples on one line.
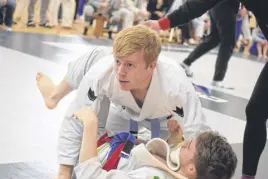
[(155, 128)]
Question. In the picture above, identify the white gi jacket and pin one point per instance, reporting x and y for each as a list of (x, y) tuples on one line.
[(168, 92), (140, 165)]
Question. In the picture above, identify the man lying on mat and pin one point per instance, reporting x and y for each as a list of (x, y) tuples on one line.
[(209, 156)]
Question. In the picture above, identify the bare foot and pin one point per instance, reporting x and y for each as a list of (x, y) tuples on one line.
[(46, 87)]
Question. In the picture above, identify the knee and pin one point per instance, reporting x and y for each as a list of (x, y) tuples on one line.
[(228, 43), (215, 42), (89, 10)]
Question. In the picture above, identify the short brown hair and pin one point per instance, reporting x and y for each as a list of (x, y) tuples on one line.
[(137, 38), (214, 158)]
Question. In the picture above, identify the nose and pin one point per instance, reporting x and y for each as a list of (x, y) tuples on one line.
[(121, 70)]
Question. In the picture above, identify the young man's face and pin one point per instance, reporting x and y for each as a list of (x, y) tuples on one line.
[(187, 160), (132, 72), (187, 152)]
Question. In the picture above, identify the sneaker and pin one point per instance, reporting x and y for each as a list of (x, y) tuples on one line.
[(31, 24), (187, 69), (9, 29), (219, 84), (46, 25)]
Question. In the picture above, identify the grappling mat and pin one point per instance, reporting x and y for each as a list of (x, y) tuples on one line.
[(26, 170)]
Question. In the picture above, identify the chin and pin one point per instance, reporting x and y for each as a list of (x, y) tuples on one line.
[(124, 88)]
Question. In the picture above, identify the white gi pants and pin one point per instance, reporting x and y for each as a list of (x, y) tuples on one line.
[(68, 10), (21, 7)]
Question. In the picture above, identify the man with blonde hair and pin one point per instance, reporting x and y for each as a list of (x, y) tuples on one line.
[(139, 85)]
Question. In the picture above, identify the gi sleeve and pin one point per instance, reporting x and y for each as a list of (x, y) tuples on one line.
[(99, 101), (71, 131), (190, 10), (193, 119), (91, 169), (78, 68)]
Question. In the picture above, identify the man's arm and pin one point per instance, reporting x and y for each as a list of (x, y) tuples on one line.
[(188, 11), (89, 166), (77, 69)]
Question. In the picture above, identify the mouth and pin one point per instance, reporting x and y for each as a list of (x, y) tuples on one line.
[(123, 82)]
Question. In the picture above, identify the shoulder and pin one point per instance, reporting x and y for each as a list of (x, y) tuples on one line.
[(99, 75), (172, 76)]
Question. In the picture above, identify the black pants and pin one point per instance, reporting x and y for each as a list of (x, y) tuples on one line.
[(76, 8), (6, 13), (223, 33), (185, 32), (256, 111)]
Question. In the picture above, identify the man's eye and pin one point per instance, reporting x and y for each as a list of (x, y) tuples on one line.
[(129, 65)]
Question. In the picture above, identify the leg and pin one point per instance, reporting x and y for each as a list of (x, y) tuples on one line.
[(128, 17), (226, 28), (257, 115), (265, 47), (89, 10), (20, 6), (52, 93), (76, 8), (210, 42), (54, 6), (43, 11), (259, 48), (68, 7), (184, 32), (81, 7), (1, 15), (31, 12), (10, 8)]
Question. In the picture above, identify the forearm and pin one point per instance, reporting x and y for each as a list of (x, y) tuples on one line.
[(175, 139), (89, 141), (188, 11), (65, 172)]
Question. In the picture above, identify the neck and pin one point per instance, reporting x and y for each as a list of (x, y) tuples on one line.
[(143, 88)]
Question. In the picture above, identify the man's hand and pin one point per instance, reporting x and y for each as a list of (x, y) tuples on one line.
[(153, 24), (86, 115), (173, 125), (176, 135)]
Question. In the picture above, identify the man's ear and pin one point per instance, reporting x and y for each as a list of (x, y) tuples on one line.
[(153, 65)]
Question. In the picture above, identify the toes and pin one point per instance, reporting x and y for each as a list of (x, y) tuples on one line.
[(39, 75)]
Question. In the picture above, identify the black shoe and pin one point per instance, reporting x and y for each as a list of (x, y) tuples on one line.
[(31, 24), (45, 25), (85, 31)]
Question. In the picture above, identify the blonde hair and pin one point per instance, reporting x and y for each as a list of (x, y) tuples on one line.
[(137, 38)]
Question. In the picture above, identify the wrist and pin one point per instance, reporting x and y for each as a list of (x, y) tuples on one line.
[(164, 23)]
